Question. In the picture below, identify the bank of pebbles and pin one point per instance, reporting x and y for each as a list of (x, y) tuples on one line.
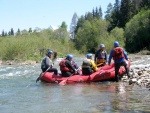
[(139, 71)]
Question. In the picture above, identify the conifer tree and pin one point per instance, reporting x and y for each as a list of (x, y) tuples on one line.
[(109, 12), (100, 12), (30, 30), (145, 4), (9, 33), (12, 31), (115, 16), (125, 12)]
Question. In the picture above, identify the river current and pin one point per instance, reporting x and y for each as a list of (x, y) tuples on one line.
[(19, 93)]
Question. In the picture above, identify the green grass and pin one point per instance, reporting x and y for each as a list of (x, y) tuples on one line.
[(33, 46)]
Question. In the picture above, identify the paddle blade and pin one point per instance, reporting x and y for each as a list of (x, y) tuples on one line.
[(63, 82)]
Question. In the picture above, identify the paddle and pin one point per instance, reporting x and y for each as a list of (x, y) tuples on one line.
[(53, 60), (43, 74), (100, 64), (64, 82)]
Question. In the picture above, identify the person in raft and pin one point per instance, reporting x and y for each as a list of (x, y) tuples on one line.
[(66, 67), (47, 64), (119, 56), (88, 65), (101, 56)]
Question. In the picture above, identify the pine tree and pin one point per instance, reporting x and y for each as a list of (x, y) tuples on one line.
[(73, 25), (93, 12), (9, 33), (30, 30), (5, 34), (145, 4), (125, 12), (109, 12), (100, 12), (12, 31), (115, 16), (97, 13)]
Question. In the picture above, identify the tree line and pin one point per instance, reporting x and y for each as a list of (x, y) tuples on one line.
[(127, 21)]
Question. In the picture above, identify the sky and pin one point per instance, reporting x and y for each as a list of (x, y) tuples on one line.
[(25, 14)]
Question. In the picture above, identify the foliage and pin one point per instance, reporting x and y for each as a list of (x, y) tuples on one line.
[(34, 45), (137, 32), (91, 34)]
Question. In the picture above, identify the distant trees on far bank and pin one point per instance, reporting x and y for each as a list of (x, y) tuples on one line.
[(127, 21)]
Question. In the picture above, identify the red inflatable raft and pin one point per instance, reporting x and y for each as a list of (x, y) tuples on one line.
[(104, 73)]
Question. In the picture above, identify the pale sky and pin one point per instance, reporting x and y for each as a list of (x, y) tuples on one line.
[(24, 14)]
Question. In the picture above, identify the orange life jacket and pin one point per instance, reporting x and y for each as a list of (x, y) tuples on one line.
[(63, 66), (118, 53)]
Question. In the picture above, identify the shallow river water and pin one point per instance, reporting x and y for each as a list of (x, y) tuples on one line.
[(19, 93)]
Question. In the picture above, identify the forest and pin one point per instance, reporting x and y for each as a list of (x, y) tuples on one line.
[(126, 21)]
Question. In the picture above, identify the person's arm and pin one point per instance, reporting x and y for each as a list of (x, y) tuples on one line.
[(110, 57), (95, 57), (68, 63), (75, 64), (106, 56), (93, 65), (125, 54)]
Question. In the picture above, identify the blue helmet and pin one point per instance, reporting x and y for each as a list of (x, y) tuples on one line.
[(102, 45), (116, 44), (88, 55), (69, 56), (50, 52)]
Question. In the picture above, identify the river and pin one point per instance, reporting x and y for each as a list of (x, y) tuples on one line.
[(19, 93)]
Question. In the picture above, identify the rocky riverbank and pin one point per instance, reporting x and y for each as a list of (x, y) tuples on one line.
[(14, 62), (139, 71)]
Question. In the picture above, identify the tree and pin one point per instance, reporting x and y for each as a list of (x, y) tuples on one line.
[(12, 31), (5, 34), (18, 31), (115, 16), (9, 33), (137, 32), (89, 16), (97, 13), (100, 12), (145, 4), (30, 30), (109, 12), (64, 25), (127, 11), (73, 25), (80, 22)]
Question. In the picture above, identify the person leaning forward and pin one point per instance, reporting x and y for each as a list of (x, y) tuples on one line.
[(66, 68), (88, 65), (119, 56), (101, 56), (46, 63)]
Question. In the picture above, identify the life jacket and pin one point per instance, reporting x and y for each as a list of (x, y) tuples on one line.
[(86, 67), (101, 57), (101, 54), (118, 53), (63, 66)]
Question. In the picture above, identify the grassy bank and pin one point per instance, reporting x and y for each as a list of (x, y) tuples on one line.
[(33, 46)]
